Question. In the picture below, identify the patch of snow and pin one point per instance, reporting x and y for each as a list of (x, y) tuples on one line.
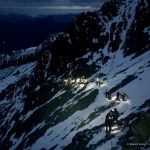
[(12, 74), (37, 88)]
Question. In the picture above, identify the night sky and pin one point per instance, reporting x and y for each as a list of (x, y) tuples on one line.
[(45, 7)]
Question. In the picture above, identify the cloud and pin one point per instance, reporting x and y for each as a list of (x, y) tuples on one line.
[(75, 7), (35, 7), (66, 7), (25, 3)]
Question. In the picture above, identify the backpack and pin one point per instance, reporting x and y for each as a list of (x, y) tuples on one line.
[(116, 115)]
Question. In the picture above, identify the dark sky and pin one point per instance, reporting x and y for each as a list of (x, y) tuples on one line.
[(38, 7)]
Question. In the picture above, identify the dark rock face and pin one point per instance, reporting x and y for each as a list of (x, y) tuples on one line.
[(137, 39), (110, 9)]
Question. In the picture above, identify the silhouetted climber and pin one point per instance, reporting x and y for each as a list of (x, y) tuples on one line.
[(115, 115), (109, 121), (98, 81), (109, 96), (123, 96), (118, 96)]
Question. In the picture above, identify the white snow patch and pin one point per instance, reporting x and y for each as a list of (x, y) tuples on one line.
[(37, 88)]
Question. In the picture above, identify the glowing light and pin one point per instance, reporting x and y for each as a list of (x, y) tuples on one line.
[(78, 80)]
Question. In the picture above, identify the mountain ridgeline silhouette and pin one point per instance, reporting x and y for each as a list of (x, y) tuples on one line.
[(23, 31)]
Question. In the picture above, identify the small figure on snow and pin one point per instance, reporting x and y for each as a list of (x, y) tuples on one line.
[(98, 81), (115, 116), (109, 121), (109, 95), (118, 96), (123, 96)]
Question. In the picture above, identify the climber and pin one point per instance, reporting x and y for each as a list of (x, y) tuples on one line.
[(109, 121), (66, 82), (98, 81), (109, 95), (123, 96), (118, 96), (115, 116)]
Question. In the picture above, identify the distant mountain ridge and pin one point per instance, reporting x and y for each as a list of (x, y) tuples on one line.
[(23, 31)]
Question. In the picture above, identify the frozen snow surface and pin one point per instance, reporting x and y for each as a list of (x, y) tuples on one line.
[(116, 70), (137, 90)]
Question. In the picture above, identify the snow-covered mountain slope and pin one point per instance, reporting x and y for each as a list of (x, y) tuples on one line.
[(13, 74), (50, 101), (77, 109)]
